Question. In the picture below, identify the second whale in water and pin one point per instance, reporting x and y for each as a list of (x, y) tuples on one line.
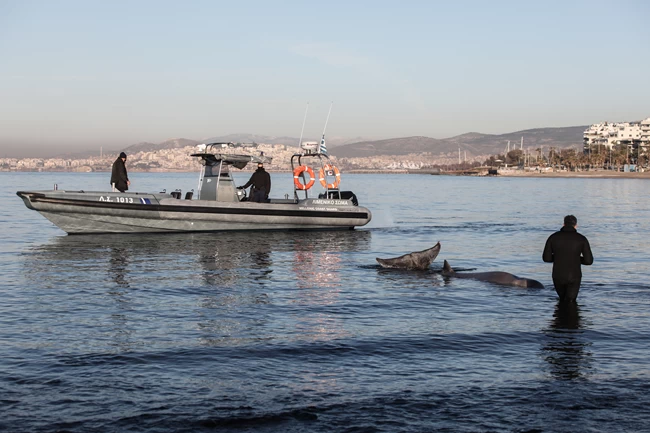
[(503, 278)]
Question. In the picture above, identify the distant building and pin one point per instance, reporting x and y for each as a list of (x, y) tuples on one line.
[(609, 134), (645, 130)]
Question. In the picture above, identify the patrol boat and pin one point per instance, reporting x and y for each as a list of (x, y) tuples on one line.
[(219, 205)]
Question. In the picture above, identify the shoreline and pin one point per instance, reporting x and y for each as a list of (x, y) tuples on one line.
[(604, 174), (600, 174)]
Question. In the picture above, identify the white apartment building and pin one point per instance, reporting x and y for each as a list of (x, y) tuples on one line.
[(645, 130), (610, 134)]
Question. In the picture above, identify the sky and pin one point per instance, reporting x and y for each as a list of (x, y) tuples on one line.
[(80, 75)]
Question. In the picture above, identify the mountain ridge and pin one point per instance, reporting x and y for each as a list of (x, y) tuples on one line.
[(474, 143)]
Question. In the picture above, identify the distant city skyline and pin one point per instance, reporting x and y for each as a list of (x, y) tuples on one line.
[(78, 75)]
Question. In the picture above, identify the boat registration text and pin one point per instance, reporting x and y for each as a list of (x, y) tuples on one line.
[(116, 199)]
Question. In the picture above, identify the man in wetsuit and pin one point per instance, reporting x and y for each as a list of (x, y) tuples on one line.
[(119, 178), (567, 250), (261, 182)]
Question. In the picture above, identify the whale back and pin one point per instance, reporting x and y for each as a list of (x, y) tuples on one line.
[(497, 277), (533, 284)]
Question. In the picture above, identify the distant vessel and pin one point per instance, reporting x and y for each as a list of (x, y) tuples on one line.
[(219, 205)]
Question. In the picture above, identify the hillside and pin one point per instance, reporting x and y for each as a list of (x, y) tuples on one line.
[(473, 143), (174, 143), (391, 146), (332, 141)]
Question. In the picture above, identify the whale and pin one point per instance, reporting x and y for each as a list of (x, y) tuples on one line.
[(417, 260), (502, 278)]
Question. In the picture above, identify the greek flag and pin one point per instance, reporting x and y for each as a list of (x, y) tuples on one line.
[(322, 148)]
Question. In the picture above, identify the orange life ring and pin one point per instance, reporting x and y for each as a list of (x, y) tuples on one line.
[(337, 176), (297, 175)]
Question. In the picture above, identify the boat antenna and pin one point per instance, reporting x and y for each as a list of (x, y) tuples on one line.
[(323, 148), (303, 125)]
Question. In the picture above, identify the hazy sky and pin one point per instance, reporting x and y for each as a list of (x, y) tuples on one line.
[(85, 74)]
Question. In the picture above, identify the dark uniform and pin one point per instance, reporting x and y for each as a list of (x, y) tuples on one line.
[(567, 250), (118, 175), (261, 181)]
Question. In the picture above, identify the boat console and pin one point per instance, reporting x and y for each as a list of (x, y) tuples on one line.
[(215, 180)]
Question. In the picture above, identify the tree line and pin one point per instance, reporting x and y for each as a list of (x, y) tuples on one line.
[(595, 156)]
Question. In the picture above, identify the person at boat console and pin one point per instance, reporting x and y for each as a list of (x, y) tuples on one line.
[(119, 178), (261, 182)]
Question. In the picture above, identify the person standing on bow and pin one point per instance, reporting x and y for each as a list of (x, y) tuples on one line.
[(567, 250), (119, 178), (261, 182)]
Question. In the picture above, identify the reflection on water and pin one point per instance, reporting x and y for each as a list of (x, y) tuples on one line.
[(117, 266), (318, 283), (119, 325), (565, 348), (212, 251), (219, 259), (226, 264), (316, 267), (226, 279)]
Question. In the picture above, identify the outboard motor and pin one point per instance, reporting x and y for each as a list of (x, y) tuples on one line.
[(349, 195)]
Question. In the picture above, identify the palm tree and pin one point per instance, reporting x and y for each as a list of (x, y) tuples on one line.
[(554, 157), (539, 155), (598, 155), (514, 156), (570, 159), (619, 155)]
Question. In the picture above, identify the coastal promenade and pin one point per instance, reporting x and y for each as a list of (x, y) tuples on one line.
[(597, 174), (179, 160)]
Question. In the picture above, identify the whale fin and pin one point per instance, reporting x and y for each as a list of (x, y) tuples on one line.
[(418, 260), (446, 269)]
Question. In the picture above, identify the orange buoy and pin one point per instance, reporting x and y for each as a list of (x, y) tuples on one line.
[(337, 177), (298, 173)]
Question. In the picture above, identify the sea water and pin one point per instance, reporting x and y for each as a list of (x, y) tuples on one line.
[(304, 332)]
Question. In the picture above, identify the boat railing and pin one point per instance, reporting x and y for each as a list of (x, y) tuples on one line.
[(324, 166)]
